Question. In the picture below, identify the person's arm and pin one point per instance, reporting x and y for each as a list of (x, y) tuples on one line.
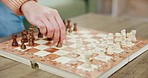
[(46, 19), (15, 5)]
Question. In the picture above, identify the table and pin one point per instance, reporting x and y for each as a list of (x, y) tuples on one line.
[(94, 21)]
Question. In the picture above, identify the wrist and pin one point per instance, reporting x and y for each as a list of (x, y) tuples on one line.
[(27, 5)]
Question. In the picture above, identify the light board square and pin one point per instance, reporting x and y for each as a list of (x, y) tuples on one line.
[(41, 47), (41, 53)]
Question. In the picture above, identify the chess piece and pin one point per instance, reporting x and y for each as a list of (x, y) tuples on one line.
[(70, 29), (31, 29), (118, 37), (129, 36), (110, 38), (59, 44), (40, 35), (31, 40), (31, 34), (110, 49), (24, 36), (87, 63), (133, 33), (75, 27), (68, 23), (129, 42), (49, 39), (14, 42), (64, 22), (123, 33), (123, 43), (23, 46), (117, 46)]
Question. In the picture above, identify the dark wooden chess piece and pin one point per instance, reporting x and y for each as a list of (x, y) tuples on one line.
[(40, 35), (59, 44), (75, 27), (14, 42), (70, 29), (31, 40), (24, 36), (64, 22), (23, 46), (68, 24), (31, 34), (31, 29), (49, 39)]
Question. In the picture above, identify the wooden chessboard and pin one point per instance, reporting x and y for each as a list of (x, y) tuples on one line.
[(59, 60)]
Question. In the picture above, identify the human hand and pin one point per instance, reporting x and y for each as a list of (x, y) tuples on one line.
[(46, 19)]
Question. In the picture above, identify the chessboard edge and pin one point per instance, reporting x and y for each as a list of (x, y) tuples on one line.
[(42, 66), (124, 62)]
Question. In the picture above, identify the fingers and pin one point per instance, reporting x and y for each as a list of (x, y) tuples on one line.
[(49, 27), (41, 26), (60, 25), (56, 27)]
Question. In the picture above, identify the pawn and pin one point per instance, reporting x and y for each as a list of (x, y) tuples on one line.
[(68, 23), (23, 46), (133, 33), (75, 27), (40, 35), (117, 46), (70, 29), (110, 49), (14, 42)]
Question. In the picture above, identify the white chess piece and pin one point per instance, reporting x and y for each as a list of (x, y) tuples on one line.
[(123, 43), (87, 56), (129, 42), (118, 37), (97, 43), (110, 49), (123, 33), (133, 33), (110, 38), (117, 46)]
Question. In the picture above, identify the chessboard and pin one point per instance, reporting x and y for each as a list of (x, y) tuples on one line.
[(85, 53)]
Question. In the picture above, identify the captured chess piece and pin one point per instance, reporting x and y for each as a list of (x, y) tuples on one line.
[(24, 36), (14, 42), (23, 46), (75, 27), (40, 35)]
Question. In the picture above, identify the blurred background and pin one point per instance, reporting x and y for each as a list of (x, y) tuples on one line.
[(118, 8)]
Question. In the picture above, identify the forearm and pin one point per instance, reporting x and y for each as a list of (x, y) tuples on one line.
[(15, 5)]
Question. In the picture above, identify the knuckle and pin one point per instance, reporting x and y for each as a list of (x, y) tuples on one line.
[(55, 11)]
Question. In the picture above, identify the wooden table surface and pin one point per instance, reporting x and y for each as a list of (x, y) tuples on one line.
[(138, 68)]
